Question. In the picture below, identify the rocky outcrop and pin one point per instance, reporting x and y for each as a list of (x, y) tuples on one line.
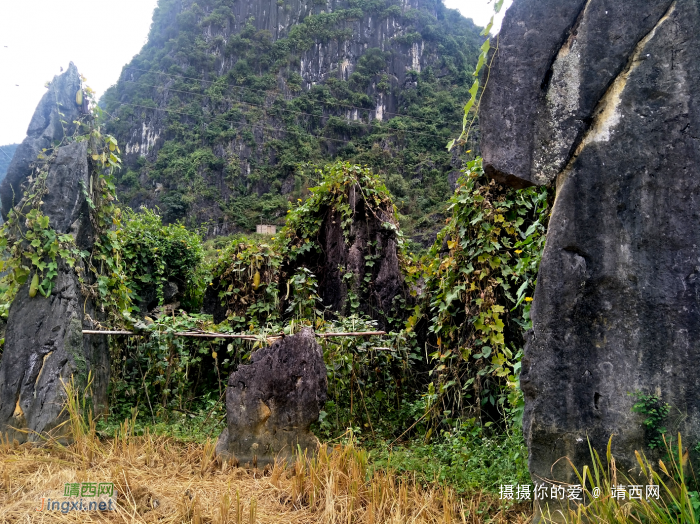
[(44, 130), (364, 264), (608, 107), (327, 58), (272, 402), (44, 343), (354, 259)]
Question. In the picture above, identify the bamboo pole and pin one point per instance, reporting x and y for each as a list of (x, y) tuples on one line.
[(230, 335), (356, 334)]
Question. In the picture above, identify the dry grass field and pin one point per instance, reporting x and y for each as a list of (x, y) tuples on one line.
[(162, 480)]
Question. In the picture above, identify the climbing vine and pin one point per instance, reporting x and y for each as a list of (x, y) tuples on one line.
[(339, 183), (246, 280), (34, 250), (258, 282), (480, 277), (33, 247), (474, 93)]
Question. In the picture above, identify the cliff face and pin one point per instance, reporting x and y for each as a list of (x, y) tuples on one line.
[(228, 98), (608, 107)]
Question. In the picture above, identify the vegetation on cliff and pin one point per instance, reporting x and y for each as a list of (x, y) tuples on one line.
[(218, 124)]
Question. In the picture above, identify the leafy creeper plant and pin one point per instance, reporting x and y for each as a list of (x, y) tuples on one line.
[(480, 276), (475, 98), (655, 412)]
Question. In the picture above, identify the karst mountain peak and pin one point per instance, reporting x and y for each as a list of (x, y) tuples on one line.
[(231, 104)]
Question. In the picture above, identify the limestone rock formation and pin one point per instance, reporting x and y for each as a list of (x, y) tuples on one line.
[(44, 344), (272, 402), (44, 128), (367, 237), (335, 66), (355, 262), (602, 96)]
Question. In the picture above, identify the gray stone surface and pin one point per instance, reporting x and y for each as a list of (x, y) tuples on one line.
[(612, 114), (45, 129), (367, 237), (556, 60), (272, 402), (44, 344)]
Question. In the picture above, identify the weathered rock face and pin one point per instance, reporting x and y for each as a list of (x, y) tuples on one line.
[(608, 106), (334, 58), (271, 403), (44, 128), (371, 250), (44, 344)]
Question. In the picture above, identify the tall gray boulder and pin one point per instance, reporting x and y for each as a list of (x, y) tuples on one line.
[(601, 97), (376, 283), (46, 128), (44, 344), (272, 402)]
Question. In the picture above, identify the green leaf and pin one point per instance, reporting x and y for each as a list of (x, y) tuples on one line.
[(475, 88), (34, 287), (469, 106), (480, 64), (488, 27)]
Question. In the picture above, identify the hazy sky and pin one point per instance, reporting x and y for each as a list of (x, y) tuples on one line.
[(38, 37)]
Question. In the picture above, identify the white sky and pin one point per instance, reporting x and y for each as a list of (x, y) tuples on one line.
[(38, 37)]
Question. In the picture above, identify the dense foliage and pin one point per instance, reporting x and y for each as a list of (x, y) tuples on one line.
[(247, 276), (455, 362), (232, 137), (156, 255), (479, 283), (382, 389), (264, 281)]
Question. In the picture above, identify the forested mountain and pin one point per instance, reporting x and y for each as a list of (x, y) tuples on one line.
[(6, 153), (229, 101)]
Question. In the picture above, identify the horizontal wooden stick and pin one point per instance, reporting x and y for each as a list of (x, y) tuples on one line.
[(358, 334), (184, 334), (215, 335), (229, 335), (95, 332)]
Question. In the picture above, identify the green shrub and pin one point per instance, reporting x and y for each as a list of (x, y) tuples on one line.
[(155, 254), (246, 280)]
